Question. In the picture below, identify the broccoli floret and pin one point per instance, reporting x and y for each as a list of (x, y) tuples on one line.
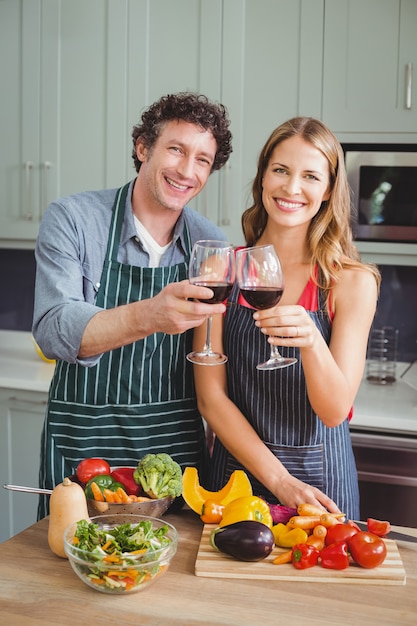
[(159, 475)]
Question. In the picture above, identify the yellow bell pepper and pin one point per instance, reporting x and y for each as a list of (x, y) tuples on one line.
[(288, 537), (247, 508)]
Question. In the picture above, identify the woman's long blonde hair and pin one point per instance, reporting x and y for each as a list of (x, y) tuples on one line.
[(329, 235)]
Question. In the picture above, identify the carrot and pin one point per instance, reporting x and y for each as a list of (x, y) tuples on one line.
[(122, 495), (284, 557), (304, 521), (317, 542), (320, 531), (328, 519), (111, 558), (116, 498), (97, 492), (108, 495), (309, 509)]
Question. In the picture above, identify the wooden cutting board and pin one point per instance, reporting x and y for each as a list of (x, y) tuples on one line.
[(214, 564)]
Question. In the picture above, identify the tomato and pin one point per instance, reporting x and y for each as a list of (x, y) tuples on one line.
[(88, 468), (340, 533), (367, 550), (377, 527)]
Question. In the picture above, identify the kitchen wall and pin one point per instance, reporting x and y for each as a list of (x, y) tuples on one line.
[(17, 280)]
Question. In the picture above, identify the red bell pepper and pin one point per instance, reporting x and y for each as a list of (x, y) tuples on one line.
[(304, 555), (124, 475), (335, 556)]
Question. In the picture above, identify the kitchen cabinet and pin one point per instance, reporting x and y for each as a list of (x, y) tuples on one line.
[(270, 70), (76, 76), (83, 72), (52, 71), (22, 414), (370, 65)]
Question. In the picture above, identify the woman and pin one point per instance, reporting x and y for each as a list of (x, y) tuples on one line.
[(289, 428)]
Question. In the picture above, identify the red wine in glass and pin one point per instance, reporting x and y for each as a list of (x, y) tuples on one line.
[(221, 290), (261, 283), (212, 264), (262, 297)]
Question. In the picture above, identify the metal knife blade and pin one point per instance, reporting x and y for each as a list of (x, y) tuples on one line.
[(28, 489), (393, 534)]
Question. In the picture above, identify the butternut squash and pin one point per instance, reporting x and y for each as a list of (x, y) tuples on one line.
[(195, 495), (67, 505)]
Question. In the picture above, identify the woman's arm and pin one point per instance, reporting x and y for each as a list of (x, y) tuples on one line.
[(333, 374), (238, 436)]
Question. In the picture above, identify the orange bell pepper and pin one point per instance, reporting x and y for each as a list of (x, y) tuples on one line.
[(212, 512)]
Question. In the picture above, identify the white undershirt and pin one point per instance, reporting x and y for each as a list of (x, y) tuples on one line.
[(153, 248)]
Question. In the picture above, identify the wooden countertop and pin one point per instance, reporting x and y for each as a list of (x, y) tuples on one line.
[(38, 588)]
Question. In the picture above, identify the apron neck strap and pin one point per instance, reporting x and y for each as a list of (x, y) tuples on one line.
[(119, 207)]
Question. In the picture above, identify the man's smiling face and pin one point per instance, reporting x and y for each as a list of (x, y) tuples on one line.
[(177, 166)]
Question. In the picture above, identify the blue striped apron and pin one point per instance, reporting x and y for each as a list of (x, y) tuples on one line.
[(276, 404), (137, 399)]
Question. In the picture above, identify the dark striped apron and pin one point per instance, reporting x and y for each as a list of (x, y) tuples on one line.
[(276, 404), (137, 399)]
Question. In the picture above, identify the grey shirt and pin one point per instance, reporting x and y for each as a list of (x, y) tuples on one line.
[(70, 252)]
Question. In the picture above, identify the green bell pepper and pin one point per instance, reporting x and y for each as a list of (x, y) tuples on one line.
[(104, 481)]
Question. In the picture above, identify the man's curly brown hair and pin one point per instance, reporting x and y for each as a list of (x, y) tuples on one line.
[(189, 107)]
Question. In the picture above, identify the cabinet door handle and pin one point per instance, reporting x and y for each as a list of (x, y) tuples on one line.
[(46, 166), (23, 401), (28, 215), (225, 219), (408, 84)]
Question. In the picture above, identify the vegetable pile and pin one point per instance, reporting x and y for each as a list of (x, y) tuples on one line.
[(156, 476), (248, 528), (123, 557), (329, 541)]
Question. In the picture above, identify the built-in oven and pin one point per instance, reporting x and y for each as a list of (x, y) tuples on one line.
[(387, 472), (383, 180)]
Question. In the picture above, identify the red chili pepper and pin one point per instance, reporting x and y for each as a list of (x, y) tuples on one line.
[(304, 555), (335, 556)]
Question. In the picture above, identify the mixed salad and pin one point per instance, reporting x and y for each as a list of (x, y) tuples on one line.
[(122, 557)]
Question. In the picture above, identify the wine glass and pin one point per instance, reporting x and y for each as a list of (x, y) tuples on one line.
[(212, 265), (261, 282)]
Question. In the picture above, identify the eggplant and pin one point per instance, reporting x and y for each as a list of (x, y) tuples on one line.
[(245, 541)]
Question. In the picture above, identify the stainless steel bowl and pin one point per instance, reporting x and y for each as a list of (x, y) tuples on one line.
[(150, 508)]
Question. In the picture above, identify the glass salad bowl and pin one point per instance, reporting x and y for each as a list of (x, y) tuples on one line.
[(120, 554)]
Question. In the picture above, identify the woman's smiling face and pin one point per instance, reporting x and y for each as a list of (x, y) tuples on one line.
[(295, 182)]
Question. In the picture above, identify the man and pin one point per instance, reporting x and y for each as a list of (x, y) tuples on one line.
[(113, 304)]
